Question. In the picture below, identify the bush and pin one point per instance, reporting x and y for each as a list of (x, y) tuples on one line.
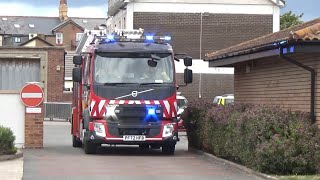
[(7, 141), (267, 139)]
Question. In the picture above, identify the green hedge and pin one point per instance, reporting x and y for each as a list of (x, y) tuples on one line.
[(267, 139), (7, 139)]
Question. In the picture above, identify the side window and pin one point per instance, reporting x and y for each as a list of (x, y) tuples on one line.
[(86, 69)]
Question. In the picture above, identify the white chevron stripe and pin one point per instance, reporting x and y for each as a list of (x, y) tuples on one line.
[(137, 102), (147, 102), (95, 113), (175, 106), (121, 101), (166, 103), (131, 102), (101, 104), (156, 102), (112, 102)]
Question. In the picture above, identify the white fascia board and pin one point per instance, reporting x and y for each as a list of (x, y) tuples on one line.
[(210, 8), (200, 66)]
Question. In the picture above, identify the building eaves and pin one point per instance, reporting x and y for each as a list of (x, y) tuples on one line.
[(59, 26), (36, 38), (303, 32)]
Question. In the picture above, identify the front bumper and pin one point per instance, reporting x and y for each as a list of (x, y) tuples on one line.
[(93, 138)]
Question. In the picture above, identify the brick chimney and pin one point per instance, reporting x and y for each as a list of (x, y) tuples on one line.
[(63, 10)]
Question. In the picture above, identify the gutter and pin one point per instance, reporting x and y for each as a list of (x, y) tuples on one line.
[(313, 81)]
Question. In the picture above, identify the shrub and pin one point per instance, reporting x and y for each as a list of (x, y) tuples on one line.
[(7, 141), (267, 139)]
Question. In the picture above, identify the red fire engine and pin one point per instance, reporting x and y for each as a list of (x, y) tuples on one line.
[(125, 91)]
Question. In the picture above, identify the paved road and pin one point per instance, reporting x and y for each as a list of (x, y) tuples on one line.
[(58, 160)]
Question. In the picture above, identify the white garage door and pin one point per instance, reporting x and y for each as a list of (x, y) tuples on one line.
[(14, 74)]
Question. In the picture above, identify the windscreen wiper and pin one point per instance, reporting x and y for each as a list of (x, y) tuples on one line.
[(115, 84), (151, 83)]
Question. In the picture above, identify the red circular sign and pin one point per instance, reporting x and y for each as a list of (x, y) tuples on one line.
[(31, 95)]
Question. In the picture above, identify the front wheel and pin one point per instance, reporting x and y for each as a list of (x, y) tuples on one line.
[(76, 142), (89, 147), (168, 149)]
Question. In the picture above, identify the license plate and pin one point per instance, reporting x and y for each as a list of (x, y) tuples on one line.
[(134, 138)]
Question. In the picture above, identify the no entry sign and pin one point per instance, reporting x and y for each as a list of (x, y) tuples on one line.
[(31, 95)]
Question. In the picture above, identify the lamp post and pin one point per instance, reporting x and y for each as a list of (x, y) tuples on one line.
[(202, 14)]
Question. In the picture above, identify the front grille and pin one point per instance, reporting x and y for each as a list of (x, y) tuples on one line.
[(137, 114), (119, 130)]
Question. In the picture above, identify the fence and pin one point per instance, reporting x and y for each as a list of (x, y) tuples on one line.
[(57, 111)]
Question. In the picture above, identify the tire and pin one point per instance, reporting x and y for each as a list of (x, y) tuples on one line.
[(168, 149), (76, 142), (89, 148)]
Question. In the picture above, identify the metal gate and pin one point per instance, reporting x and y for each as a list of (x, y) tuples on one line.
[(57, 111)]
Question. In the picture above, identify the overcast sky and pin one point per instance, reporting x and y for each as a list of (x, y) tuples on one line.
[(79, 8), (98, 8)]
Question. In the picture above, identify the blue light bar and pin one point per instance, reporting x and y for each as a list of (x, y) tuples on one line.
[(151, 112), (110, 37), (167, 38), (149, 38)]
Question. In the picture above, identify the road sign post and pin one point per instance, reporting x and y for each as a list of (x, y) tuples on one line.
[(32, 96)]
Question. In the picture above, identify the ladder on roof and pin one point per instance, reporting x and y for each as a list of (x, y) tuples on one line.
[(92, 36)]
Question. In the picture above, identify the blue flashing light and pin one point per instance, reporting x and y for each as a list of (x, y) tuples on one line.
[(151, 111), (167, 38), (110, 37), (149, 38)]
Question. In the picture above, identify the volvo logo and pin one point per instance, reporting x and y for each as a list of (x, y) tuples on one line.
[(134, 93)]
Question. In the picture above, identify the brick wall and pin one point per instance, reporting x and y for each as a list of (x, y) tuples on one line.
[(69, 36), (34, 130), (55, 78), (219, 30), (211, 85), (273, 81)]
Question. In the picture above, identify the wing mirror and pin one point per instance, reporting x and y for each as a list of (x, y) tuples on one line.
[(77, 60), (187, 61)]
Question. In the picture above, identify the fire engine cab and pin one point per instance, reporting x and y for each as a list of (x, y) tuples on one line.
[(125, 91)]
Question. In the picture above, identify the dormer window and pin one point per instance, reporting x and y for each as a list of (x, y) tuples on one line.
[(17, 39), (59, 38)]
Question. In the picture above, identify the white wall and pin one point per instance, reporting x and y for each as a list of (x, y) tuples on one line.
[(12, 115)]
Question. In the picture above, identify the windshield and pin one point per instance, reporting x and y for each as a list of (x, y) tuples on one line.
[(133, 68)]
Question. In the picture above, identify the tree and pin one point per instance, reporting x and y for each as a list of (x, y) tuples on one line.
[(289, 19)]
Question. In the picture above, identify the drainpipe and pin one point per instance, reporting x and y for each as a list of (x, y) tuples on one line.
[(313, 82)]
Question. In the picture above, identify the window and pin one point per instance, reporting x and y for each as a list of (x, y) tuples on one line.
[(78, 37), (59, 38), (17, 39), (14, 74)]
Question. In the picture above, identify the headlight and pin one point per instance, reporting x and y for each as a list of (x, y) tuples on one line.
[(99, 129), (168, 130)]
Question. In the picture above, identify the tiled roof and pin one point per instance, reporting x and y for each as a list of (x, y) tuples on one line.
[(306, 31), (41, 25)]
